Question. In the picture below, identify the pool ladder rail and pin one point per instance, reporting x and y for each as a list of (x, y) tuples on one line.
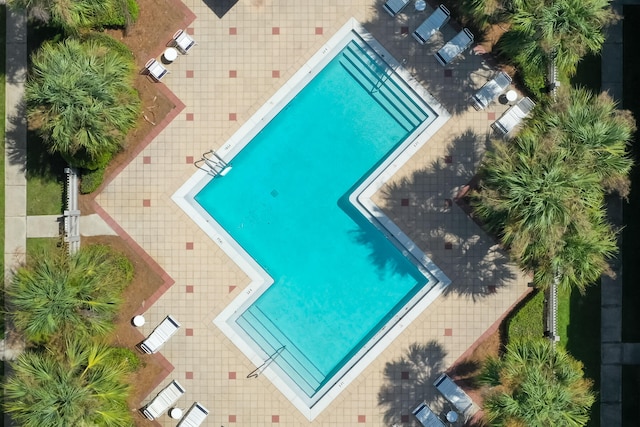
[(212, 164), (256, 372)]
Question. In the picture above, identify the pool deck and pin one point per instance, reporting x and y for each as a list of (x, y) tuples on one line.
[(240, 61)]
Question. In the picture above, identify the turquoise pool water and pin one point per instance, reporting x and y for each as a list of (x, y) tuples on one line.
[(337, 278)]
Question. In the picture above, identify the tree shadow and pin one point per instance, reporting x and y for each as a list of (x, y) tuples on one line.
[(16, 135), (409, 381), (422, 205), (452, 85)]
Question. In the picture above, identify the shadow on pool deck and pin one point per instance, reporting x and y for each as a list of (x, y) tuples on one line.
[(409, 381)]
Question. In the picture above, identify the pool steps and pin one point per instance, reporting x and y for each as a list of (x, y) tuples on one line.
[(270, 338), (376, 80)]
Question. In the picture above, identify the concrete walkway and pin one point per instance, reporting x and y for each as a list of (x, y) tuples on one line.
[(15, 143), (50, 226)]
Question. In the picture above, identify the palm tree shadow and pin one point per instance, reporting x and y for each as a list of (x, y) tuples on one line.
[(16, 134), (422, 205), (409, 381), (452, 85)]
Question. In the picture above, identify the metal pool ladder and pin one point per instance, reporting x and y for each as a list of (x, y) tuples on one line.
[(259, 369), (212, 164)]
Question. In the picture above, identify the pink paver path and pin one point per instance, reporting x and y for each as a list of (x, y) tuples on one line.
[(241, 59)]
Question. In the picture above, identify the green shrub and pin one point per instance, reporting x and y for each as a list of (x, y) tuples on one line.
[(111, 43), (527, 320), (91, 180), (125, 357), (119, 14)]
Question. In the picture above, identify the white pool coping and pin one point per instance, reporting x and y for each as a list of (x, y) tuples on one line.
[(360, 198)]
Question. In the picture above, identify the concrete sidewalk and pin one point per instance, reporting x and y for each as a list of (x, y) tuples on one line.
[(51, 225)]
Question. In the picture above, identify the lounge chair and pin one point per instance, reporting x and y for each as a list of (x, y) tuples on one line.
[(454, 394), (427, 418), (394, 7), (454, 47), (195, 416), (160, 335), (490, 91), (432, 24), (167, 397), (183, 41), (513, 116), (156, 69)]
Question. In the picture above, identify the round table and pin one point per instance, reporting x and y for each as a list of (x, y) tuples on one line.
[(138, 320), (512, 95), (452, 416), (420, 5), (175, 413), (170, 54)]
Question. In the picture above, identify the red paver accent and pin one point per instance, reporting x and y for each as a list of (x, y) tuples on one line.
[(233, 117), (319, 31), (188, 332), (275, 418), (491, 116), (189, 74), (275, 31), (232, 418), (362, 418), (404, 418), (448, 73), (146, 203), (146, 160), (404, 375), (188, 159), (404, 202), (448, 159), (190, 31), (233, 74), (233, 31), (232, 375), (275, 74), (448, 332), (188, 375), (404, 30), (189, 117), (189, 246), (448, 245), (232, 288), (189, 289)]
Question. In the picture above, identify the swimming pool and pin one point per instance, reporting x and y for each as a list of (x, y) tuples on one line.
[(332, 275)]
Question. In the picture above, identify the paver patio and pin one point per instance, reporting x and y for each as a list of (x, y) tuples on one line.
[(240, 61)]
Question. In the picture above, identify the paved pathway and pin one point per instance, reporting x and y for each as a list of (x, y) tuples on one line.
[(49, 226), (15, 142)]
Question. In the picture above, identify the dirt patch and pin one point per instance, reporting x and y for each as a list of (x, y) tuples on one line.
[(158, 20)]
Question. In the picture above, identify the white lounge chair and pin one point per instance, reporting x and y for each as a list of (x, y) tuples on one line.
[(427, 418), (167, 397), (454, 47), (454, 394), (513, 116), (160, 335), (183, 41), (194, 417), (394, 7), (432, 24), (491, 90), (156, 69)]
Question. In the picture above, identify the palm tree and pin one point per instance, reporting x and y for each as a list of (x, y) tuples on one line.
[(81, 99), (544, 30), (535, 384), (82, 386), (80, 15), (543, 192), (58, 293)]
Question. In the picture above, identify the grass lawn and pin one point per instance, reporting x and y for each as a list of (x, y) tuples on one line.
[(38, 245), (45, 179), (526, 321)]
